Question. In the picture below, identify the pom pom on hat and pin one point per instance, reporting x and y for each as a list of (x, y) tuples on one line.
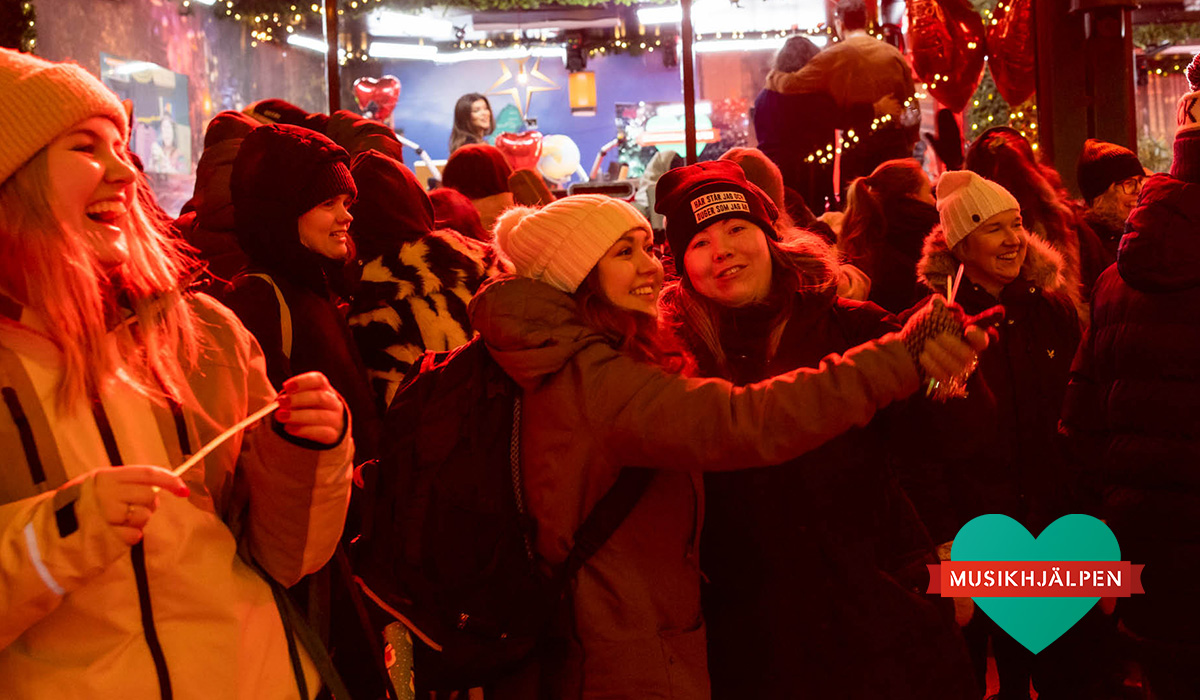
[(966, 200), (560, 243), (40, 100), (1186, 164)]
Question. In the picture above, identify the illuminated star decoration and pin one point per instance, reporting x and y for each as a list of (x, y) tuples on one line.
[(521, 81)]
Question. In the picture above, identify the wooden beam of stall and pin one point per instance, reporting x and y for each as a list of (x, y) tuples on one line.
[(333, 81), (689, 85)]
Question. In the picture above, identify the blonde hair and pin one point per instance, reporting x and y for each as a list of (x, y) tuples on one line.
[(51, 269)]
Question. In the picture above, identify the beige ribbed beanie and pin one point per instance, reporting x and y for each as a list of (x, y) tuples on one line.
[(560, 243), (965, 200), (39, 100)]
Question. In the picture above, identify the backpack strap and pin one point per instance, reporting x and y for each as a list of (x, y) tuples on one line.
[(285, 313), (606, 516)]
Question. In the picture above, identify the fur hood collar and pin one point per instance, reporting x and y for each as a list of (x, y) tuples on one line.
[(1043, 265)]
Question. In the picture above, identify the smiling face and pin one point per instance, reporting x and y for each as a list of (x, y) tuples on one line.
[(729, 263), (325, 229), (91, 186), (992, 254), (481, 116), (630, 274)]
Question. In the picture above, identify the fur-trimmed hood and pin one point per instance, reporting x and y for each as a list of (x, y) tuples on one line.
[(1043, 266)]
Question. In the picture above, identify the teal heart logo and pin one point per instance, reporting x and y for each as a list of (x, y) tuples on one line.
[(1035, 622)]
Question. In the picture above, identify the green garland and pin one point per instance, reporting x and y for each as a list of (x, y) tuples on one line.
[(18, 25), (1148, 36)]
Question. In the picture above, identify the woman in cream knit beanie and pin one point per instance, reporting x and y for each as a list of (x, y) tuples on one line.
[(121, 578)]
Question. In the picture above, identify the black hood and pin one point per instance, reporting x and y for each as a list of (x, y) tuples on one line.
[(1160, 251)]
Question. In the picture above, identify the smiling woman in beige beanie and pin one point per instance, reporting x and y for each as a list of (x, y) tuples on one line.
[(120, 578), (577, 330)]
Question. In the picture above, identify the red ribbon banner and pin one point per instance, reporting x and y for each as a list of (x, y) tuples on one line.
[(1035, 579)]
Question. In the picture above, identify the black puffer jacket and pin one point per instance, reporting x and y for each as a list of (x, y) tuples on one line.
[(998, 451), (1133, 405), (816, 566)]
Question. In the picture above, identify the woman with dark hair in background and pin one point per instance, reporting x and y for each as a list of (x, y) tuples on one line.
[(888, 215), (472, 120)]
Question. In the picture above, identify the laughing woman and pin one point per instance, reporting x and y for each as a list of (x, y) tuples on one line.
[(118, 578), (578, 331), (811, 562)]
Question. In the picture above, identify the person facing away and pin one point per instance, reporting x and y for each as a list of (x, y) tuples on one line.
[(481, 172), (577, 329), (813, 565), (412, 281), (1133, 409), (120, 578), (472, 121), (888, 215)]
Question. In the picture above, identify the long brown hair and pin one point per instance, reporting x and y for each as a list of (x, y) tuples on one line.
[(52, 270), (633, 332), (803, 266), (864, 230), (463, 130)]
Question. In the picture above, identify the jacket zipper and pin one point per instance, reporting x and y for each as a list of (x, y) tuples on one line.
[(138, 555)]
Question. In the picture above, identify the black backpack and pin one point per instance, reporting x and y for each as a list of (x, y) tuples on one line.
[(446, 544)]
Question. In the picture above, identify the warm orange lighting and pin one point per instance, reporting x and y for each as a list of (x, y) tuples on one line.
[(581, 90)]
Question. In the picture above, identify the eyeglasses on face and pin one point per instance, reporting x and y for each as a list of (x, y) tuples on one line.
[(1131, 185)]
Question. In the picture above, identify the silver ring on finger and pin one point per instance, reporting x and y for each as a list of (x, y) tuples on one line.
[(128, 514)]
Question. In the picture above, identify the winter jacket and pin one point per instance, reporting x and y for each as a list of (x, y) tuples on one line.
[(893, 266), (206, 221), (589, 410), (412, 283), (997, 451), (73, 621), (790, 128), (816, 566), (320, 341), (1133, 406)]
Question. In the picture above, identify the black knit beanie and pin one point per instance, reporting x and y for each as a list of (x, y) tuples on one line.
[(1101, 164), (280, 172), (391, 208), (477, 170), (696, 196)]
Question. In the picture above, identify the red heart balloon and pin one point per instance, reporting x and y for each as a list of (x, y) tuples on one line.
[(947, 43), (1010, 51), (522, 150), (384, 92)]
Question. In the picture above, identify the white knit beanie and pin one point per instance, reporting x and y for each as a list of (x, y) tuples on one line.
[(965, 200), (39, 100), (560, 243)]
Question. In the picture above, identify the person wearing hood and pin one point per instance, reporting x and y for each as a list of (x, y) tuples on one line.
[(120, 578), (999, 449), (481, 172), (206, 221), (412, 281), (577, 330), (1133, 408), (888, 215), (291, 190), (827, 541)]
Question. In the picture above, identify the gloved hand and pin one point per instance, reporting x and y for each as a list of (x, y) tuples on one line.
[(944, 342)]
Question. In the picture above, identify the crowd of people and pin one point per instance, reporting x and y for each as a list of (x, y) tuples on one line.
[(817, 412)]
